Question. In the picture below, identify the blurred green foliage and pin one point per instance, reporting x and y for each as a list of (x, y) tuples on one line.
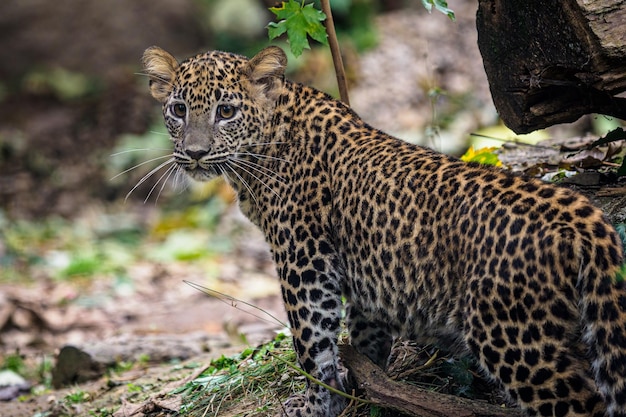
[(108, 244), (64, 84), (135, 155), (485, 156), (13, 362)]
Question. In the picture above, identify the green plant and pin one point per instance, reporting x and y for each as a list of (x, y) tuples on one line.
[(77, 397), (102, 412), (133, 388), (44, 371), (440, 5), (243, 377), (485, 156), (298, 20), (123, 366), (13, 362)]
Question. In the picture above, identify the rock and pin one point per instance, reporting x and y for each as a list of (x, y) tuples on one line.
[(12, 385), (75, 366), (79, 364)]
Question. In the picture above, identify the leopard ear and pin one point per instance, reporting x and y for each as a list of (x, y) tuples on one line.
[(266, 71), (160, 66)]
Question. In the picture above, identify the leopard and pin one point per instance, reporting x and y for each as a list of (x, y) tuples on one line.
[(385, 239)]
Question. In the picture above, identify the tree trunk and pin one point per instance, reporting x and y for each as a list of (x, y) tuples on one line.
[(552, 62)]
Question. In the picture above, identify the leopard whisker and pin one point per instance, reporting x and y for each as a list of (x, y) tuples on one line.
[(140, 164), (165, 175), (261, 169), (172, 169), (243, 181), (138, 150), (261, 156), (180, 179), (238, 164), (161, 79), (263, 144), (156, 132), (223, 172), (148, 175)]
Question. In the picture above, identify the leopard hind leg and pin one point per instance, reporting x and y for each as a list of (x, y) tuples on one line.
[(531, 348), (369, 337)]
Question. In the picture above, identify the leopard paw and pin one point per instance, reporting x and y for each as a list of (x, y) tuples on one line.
[(299, 406), (296, 406)]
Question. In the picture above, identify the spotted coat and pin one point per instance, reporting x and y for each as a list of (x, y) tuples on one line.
[(518, 273)]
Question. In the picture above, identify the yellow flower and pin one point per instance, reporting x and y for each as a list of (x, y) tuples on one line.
[(485, 156)]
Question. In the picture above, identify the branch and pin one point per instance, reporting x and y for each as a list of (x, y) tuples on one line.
[(411, 400), (336, 52)]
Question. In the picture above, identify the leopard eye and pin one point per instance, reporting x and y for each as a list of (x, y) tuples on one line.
[(225, 111), (179, 109)]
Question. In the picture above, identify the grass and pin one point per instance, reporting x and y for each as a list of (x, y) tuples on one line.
[(260, 379), (256, 380)]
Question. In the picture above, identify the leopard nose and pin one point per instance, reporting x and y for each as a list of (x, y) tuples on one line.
[(197, 155)]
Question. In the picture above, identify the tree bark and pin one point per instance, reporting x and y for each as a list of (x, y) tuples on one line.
[(411, 400), (552, 62)]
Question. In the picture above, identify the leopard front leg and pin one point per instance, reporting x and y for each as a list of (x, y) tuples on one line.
[(312, 297)]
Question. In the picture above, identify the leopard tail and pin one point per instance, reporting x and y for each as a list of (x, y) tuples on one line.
[(604, 318)]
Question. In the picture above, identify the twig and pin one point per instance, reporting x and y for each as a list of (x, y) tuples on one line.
[(336, 52), (318, 382), (233, 302)]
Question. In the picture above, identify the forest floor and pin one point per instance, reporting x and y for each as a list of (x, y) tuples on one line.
[(110, 277), (128, 303)]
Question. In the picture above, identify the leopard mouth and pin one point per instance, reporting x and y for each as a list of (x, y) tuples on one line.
[(201, 174), (204, 168), (200, 171)]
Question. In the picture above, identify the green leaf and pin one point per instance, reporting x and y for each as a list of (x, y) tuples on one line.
[(274, 29), (440, 5), (298, 21)]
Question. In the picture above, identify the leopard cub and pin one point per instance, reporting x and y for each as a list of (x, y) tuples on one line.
[(520, 274)]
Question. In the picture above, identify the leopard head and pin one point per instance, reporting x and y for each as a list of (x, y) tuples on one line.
[(215, 104)]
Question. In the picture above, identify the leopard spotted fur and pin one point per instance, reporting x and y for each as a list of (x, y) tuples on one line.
[(518, 273)]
